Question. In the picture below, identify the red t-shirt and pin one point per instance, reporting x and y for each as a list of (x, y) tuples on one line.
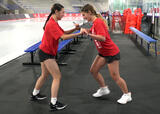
[(107, 47), (51, 37)]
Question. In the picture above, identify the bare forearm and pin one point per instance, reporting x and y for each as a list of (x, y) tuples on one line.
[(69, 31), (69, 36), (97, 37)]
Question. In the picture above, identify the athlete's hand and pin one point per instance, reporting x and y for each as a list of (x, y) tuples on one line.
[(77, 27), (88, 30), (84, 31)]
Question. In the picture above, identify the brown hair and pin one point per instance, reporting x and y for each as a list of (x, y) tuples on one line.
[(86, 8), (55, 7)]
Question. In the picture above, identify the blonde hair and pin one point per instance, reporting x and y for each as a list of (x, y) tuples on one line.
[(101, 17), (86, 8)]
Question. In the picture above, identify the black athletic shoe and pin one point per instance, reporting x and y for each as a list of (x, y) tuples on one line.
[(57, 106), (37, 97)]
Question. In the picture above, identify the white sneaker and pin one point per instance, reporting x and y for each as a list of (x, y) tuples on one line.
[(101, 92), (125, 98)]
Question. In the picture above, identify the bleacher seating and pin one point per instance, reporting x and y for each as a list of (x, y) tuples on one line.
[(38, 6)]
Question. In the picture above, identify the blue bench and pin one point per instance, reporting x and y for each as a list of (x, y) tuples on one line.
[(32, 50), (76, 39), (34, 47), (63, 43), (145, 37)]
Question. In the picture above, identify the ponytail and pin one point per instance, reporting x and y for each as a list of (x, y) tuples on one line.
[(47, 20), (100, 16), (55, 7)]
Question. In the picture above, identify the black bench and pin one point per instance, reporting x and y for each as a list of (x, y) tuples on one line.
[(145, 37)]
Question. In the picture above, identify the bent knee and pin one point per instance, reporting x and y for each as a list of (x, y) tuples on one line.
[(44, 76), (93, 71), (115, 76)]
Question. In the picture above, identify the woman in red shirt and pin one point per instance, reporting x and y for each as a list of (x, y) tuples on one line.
[(109, 54), (47, 52)]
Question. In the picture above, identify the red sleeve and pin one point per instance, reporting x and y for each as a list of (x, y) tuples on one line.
[(56, 32), (99, 28)]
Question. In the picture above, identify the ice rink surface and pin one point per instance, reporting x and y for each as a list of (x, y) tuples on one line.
[(18, 35)]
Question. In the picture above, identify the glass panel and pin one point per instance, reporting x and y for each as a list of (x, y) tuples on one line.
[(145, 5)]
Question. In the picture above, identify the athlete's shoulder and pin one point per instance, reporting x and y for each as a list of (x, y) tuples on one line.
[(98, 21)]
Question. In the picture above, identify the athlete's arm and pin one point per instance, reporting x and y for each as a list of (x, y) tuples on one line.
[(72, 30), (69, 36), (97, 37)]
